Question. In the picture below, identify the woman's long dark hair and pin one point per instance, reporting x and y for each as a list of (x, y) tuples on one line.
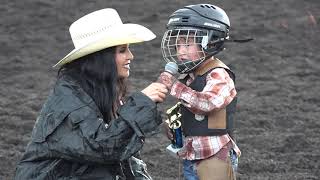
[(98, 76)]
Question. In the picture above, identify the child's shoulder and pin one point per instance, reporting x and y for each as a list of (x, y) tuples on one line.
[(210, 64)]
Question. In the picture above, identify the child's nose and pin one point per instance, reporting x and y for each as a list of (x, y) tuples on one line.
[(181, 52)]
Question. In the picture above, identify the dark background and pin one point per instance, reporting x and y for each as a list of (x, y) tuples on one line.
[(278, 119)]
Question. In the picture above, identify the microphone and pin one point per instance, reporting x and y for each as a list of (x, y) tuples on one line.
[(171, 68)]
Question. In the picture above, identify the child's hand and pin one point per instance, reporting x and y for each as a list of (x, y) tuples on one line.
[(167, 79)]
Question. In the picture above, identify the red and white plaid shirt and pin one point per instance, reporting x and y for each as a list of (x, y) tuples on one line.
[(218, 92)]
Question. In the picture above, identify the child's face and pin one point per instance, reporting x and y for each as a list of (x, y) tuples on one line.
[(187, 49)]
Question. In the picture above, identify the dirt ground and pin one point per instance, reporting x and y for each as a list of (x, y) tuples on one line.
[(278, 78)]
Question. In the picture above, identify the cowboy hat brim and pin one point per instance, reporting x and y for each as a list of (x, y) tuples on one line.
[(120, 34)]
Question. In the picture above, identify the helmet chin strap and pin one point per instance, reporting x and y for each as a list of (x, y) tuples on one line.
[(187, 66), (239, 40)]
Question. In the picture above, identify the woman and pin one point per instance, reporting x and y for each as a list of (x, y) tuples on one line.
[(86, 129)]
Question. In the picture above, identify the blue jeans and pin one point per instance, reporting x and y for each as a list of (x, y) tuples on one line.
[(190, 170)]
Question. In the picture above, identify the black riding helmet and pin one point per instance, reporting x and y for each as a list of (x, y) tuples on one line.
[(201, 16), (209, 26)]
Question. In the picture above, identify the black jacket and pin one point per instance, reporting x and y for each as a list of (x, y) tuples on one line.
[(71, 141)]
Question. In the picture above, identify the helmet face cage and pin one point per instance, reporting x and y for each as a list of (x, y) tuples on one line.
[(175, 39), (186, 60)]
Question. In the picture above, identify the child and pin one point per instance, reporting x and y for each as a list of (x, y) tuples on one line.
[(205, 88)]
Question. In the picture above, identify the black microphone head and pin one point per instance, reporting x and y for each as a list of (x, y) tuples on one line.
[(171, 68)]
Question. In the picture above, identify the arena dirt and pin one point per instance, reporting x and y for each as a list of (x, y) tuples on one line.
[(278, 78)]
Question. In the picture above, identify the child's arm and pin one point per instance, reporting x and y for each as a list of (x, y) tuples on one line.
[(218, 93)]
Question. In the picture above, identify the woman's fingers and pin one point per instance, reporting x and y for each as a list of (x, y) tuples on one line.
[(156, 92), (158, 96)]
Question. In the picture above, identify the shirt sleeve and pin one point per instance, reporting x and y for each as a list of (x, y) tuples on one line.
[(218, 92)]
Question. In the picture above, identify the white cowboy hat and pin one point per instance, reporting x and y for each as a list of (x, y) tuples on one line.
[(102, 29)]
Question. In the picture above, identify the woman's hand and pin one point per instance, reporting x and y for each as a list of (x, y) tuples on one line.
[(157, 92)]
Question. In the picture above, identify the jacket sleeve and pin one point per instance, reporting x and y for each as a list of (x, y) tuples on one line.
[(86, 138)]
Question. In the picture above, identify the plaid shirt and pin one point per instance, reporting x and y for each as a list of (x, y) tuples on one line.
[(218, 93)]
